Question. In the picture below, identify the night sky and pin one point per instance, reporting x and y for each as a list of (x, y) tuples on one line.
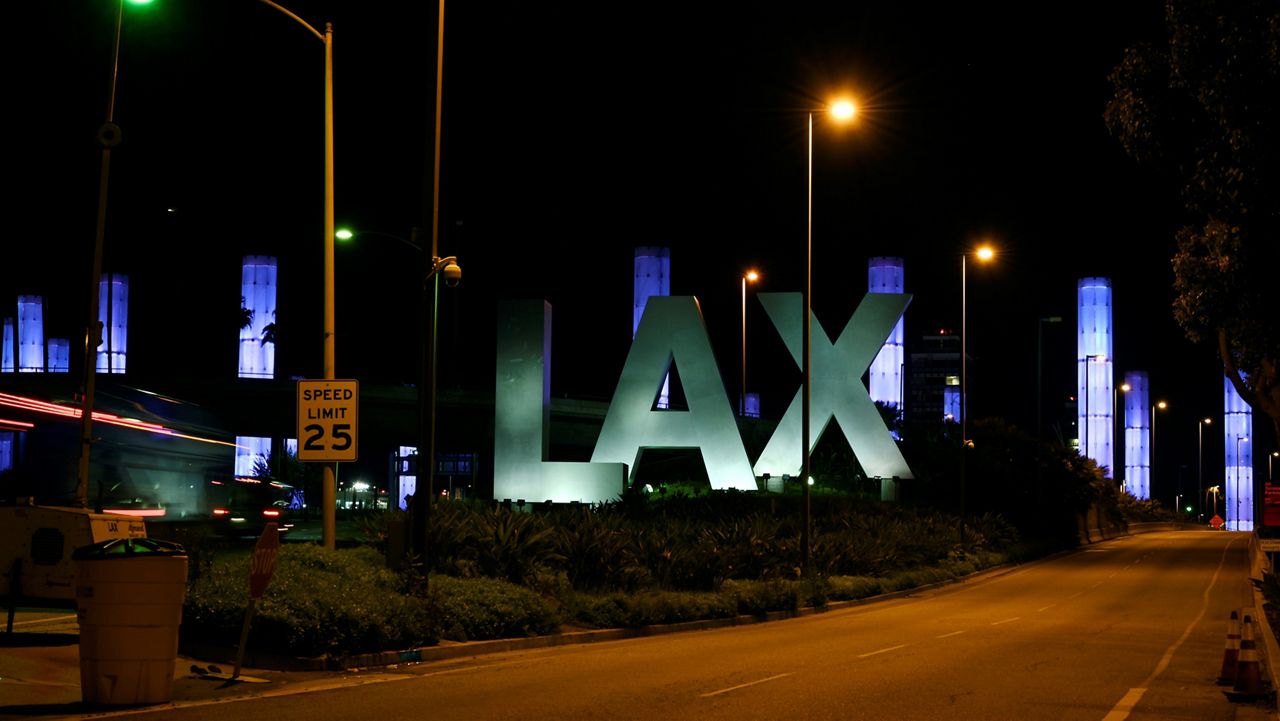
[(574, 132)]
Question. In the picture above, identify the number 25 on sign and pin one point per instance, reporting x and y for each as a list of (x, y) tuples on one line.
[(327, 414)]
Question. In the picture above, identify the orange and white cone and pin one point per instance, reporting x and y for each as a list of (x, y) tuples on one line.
[(1232, 652), (1248, 684)]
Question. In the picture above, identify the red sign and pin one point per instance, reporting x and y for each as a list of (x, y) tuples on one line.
[(1216, 521), (1271, 505), (264, 560)]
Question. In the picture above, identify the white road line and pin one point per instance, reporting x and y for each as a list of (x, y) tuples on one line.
[(1122, 709), (883, 650), (51, 619), (744, 685), (1007, 620), (1045, 608), (949, 635), (1074, 595)]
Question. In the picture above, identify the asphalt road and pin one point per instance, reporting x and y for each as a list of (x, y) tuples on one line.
[(1133, 628)]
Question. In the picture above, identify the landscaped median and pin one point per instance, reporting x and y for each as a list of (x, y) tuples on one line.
[(582, 572)]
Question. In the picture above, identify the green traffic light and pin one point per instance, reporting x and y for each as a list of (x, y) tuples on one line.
[(344, 234), (139, 2)]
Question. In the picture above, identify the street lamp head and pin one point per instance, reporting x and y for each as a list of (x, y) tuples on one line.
[(1125, 387), (1207, 421), (452, 274), (843, 110), (751, 276), (1162, 405), (985, 253)]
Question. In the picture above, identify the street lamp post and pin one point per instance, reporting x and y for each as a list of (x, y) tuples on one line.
[(329, 491), (750, 276), (108, 138), (1040, 372), (1270, 470), (984, 253), (1161, 405), (1200, 461), (432, 267), (1120, 451), (842, 110)]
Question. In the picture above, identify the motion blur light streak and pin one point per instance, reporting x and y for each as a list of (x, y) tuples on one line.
[(32, 404)]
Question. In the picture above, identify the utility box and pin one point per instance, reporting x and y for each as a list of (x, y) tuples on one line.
[(36, 543), (129, 595)]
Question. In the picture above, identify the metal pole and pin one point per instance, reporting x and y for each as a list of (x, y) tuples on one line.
[(329, 489), (964, 388), (1151, 471), (805, 399), (742, 399), (108, 137), (1200, 466), (1039, 381), (427, 454), (330, 469), (421, 498)]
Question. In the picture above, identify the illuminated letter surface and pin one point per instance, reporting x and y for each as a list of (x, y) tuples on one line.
[(523, 409), (672, 330), (836, 388)]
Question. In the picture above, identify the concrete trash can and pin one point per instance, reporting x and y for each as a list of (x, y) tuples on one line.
[(129, 594)]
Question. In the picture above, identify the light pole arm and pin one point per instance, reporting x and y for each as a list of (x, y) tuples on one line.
[(319, 35), (439, 264)]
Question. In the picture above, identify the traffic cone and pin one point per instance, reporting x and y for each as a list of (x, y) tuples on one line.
[(1248, 684), (1232, 652)]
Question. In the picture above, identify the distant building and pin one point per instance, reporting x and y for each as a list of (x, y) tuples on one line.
[(933, 379)]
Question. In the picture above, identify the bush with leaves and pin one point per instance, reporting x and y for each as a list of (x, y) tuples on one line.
[(475, 609), (318, 602)]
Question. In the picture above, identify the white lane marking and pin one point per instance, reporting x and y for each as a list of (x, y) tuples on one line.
[(744, 685), (1045, 608), (1121, 710), (949, 635), (51, 619), (1007, 620), (883, 650), (1074, 595)]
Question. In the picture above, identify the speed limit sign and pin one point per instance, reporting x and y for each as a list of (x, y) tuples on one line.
[(327, 414)]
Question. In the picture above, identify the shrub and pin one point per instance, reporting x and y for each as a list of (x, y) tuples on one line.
[(659, 607), (476, 609), (760, 597), (852, 588), (319, 602)]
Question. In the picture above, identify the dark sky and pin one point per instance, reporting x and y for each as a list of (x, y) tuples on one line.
[(574, 132)]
